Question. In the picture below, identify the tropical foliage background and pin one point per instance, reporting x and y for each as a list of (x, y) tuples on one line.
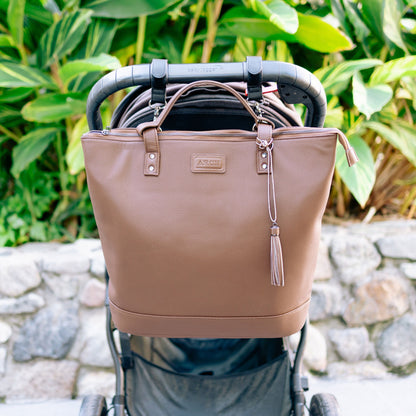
[(52, 52)]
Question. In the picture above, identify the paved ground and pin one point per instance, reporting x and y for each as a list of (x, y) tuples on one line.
[(396, 397)]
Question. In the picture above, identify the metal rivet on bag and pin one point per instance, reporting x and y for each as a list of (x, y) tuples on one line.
[(264, 155), (264, 166), (151, 168), (152, 156)]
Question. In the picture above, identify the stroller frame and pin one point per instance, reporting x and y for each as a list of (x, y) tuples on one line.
[(296, 86)]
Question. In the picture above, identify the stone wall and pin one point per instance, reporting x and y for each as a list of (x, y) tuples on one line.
[(52, 318)]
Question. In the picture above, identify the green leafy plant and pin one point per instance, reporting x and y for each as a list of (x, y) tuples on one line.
[(373, 99), (45, 73)]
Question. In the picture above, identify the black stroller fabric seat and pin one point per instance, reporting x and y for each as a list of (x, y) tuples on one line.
[(210, 357), (264, 390)]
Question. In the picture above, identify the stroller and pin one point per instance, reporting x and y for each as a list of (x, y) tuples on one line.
[(208, 376)]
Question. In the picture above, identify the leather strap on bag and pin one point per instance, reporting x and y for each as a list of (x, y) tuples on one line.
[(149, 130)]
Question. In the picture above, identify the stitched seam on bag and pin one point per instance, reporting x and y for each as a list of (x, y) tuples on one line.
[(301, 306)]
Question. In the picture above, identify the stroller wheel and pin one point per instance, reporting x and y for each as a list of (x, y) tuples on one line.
[(93, 405), (324, 404)]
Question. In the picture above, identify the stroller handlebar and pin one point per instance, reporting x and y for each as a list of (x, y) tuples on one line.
[(295, 84)]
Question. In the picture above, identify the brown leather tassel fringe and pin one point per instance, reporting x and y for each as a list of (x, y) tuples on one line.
[(265, 142), (276, 257)]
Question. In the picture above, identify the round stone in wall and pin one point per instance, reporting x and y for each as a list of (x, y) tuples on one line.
[(354, 257), (18, 274), (3, 359), (5, 332), (68, 261), (98, 264), (315, 355), (93, 294), (96, 382), (396, 345), (48, 334), (351, 344), (24, 304), (40, 380), (326, 302), (398, 246), (94, 349), (323, 270), (383, 298), (409, 270)]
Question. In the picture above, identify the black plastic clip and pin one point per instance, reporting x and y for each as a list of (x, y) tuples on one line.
[(126, 356), (254, 78), (158, 81)]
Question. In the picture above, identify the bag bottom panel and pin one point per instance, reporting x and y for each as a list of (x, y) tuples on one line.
[(276, 326)]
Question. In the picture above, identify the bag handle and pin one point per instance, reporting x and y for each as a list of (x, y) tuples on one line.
[(157, 123), (149, 130)]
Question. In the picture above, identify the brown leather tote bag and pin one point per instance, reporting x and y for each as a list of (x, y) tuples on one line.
[(212, 233)]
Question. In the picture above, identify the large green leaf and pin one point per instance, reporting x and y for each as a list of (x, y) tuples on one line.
[(103, 62), (373, 14), (170, 48), (384, 18), (370, 100), (392, 14), (313, 32), (316, 34), (278, 51), (38, 13), (100, 36), (6, 41), (277, 12), (126, 9), (394, 70), (359, 178), (362, 32), (8, 113), (334, 114), (399, 134), (336, 78), (241, 21), (74, 155), (244, 47), (15, 15), (338, 10), (410, 85), (14, 94), (62, 37), (30, 147), (98, 40), (16, 75), (54, 107)]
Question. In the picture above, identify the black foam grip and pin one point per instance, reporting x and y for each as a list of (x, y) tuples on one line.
[(302, 82)]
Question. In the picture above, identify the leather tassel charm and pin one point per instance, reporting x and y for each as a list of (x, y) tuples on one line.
[(265, 142), (276, 257)]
